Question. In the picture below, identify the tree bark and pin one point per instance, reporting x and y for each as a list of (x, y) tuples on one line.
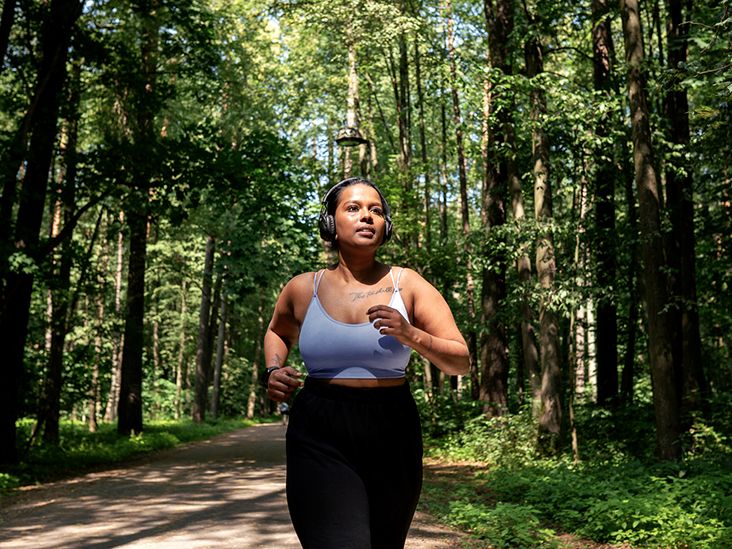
[(691, 381), (219, 361), (110, 413), (129, 405), (464, 204), (497, 171), (256, 361), (6, 24), (180, 369), (60, 321), (202, 351), (665, 397), (604, 244), (427, 194), (55, 38), (550, 420)]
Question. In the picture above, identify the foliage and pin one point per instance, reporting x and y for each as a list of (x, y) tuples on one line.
[(506, 440), (617, 495)]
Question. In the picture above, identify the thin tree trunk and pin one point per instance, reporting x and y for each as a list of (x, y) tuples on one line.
[(692, 385), (98, 340), (496, 173), (626, 384), (604, 244), (129, 407), (6, 24), (110, 413), (665, 397), (218, 364), (464, 205), (14, 314), (423, 151), (550, 421), (202, 351), (181, 363), (51, 405), (256, 361)]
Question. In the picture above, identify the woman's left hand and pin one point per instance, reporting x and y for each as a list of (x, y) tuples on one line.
[(389, 321)]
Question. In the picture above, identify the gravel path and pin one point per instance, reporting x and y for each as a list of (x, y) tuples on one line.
[(225, 492)]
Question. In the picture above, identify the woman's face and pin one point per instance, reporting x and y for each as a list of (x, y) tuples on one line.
[(359, 217)]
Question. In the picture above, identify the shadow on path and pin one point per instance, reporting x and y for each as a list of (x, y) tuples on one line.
[(225, 492)]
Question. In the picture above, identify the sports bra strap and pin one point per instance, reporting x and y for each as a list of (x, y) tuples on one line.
[(396, 286), (316, 281)]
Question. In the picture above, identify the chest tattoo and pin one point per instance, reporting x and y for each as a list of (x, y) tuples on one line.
[(356, 296)]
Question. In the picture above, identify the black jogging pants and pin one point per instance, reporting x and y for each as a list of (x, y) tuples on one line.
[(354, 466)]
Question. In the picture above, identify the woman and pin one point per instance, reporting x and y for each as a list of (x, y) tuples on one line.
[(354, 445)]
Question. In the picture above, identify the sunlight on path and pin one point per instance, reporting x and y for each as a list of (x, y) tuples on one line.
[(226, 492)]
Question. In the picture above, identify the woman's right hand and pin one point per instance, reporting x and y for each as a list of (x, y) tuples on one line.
[(282, 383)]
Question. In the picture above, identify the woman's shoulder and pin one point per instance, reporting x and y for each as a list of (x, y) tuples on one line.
[(300, 281), (407, 274)]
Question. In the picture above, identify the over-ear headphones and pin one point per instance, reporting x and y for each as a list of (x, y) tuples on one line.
[(326, 223)]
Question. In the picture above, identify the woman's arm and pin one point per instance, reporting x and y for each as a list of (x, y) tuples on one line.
[(282, 331), (434, 334)]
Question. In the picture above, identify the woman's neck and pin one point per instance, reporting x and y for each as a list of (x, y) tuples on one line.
[(364, 269)]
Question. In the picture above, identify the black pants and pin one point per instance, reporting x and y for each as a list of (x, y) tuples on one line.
[(354, 466)]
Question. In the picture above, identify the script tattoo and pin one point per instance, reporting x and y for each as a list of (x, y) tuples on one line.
[(276, 361), (355, 296)]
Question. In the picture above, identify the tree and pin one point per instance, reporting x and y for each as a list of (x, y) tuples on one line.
[(665, 398), (603, 50), (15, 304)]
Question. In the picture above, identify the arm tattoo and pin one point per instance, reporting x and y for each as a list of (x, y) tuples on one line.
[(276, 361)]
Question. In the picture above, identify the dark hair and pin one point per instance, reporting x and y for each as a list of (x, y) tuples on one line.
[(330, 202)]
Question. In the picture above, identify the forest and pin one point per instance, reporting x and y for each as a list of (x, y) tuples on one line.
[(560, 172)]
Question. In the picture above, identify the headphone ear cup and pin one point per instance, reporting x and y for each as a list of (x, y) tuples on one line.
[(387, 230), (327, 227)]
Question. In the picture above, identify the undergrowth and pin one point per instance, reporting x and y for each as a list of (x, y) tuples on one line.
[(79, 450), (616, 494)]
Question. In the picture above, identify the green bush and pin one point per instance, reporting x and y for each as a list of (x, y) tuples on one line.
[(505, 525), (506, 440)]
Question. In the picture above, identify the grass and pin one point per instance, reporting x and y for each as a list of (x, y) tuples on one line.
[(80, 451), (488, 479)]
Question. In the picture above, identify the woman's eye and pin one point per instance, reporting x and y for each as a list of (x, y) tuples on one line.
[(352, 208), (377, 211)]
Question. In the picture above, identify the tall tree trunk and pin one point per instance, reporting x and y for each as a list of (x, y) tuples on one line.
[(6, 24), (496, 172), (692, 384), (110, 413), (627, 379), (129, 407), (464, 204), (202, 351), (15, 311), (51, 405), (426, 169), (98, 338), (550, 421), (665, 397), (219, 362), (180, 369), (256, 361), (604, 244)]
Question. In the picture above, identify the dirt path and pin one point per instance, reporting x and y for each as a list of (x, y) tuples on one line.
[(224, 492)]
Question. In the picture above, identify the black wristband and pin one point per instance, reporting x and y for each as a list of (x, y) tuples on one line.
[(267, 373)]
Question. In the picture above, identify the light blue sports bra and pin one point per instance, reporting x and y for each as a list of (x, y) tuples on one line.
[(333, 349)]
